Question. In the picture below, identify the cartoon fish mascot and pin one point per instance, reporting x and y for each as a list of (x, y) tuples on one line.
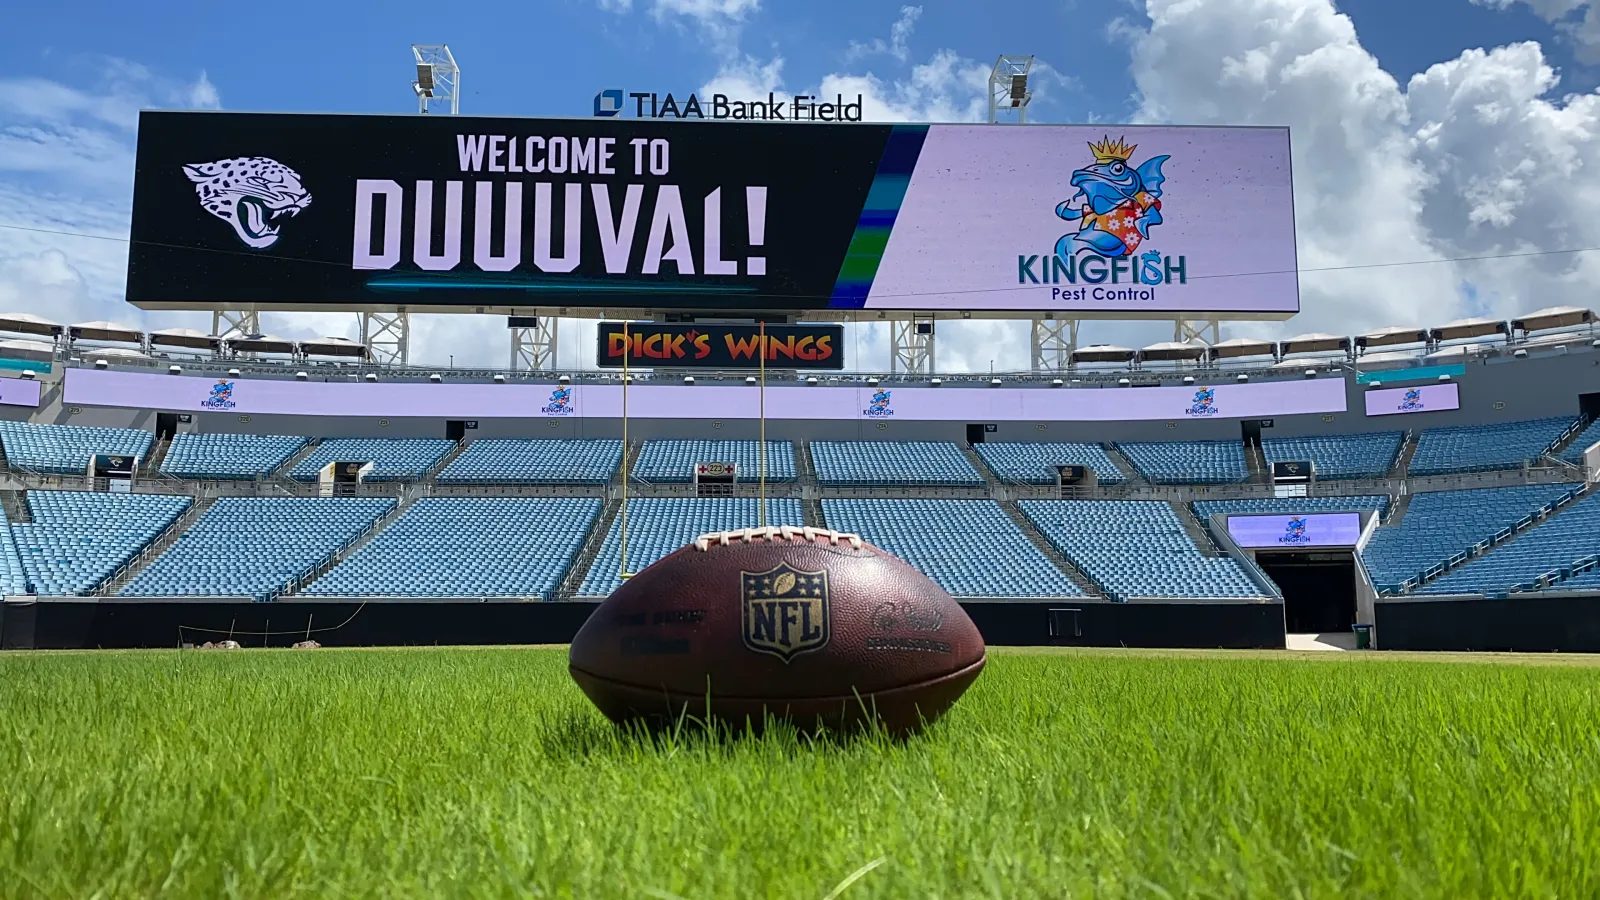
[(1115, 205), (880, 400)]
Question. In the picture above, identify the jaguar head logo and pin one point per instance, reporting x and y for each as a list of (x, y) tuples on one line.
[(253, 194)]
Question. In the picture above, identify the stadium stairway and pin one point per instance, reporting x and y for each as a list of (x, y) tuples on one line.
[(16, 506), (1397, 509), (150, 466), (295, 459), (805, 472), (1084, 583), (1130, 473), (120, 578), (1402, 460), (402, 504), (812, 507), (1554, 451), (990, 478), (588, 552), (1195, 529), (1255, 462), (431, 477)]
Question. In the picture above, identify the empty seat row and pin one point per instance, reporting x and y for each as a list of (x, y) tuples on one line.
[(1477, 448), (392, 459), (510, 461), (67, 449), (1548, 548), (1137, 549), (255, 546), (1438, 525), (469, 547), (658, 526), (865, 463), (1284, 506), (1338, 456), (228, 456), (1037, 462), (672, 461), (970, 547), (1187, 462)]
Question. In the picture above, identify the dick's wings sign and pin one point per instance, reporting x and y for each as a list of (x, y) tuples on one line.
[(710, 346), (453, 212)]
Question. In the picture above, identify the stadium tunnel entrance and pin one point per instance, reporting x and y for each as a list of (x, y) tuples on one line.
[(1319, 589)]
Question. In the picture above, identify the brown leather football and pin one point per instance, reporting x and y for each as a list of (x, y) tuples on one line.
[(805, 624)]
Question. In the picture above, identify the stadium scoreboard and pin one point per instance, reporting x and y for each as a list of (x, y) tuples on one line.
[(614, 217)]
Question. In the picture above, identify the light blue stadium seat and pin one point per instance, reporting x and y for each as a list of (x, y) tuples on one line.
[(497, 461), (254, 546), (77, 539), (1035, 462), (658, 526), (1137, 548), (1481, 448), (970, 547), (866, 463), (472, 547), (1551, 547), (1283, 506), (392, 459), (1441, 524), (67, 449), (673, 461), (228, 456), (1340, 455), (1574, 452), (13, 580), (1187, 462)]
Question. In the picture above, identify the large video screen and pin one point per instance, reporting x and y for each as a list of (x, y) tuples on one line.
[(1285, 532), (452, 212), (885, 403), (1422, 398)]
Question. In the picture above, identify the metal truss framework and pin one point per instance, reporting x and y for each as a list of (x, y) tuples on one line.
[(387, 337), (1207, 331), (1051, 342), (534, 349), (231, 323), (911, 347), (438, 81), (1008, 87)]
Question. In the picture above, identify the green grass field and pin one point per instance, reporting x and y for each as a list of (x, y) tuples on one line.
[(433, 773)]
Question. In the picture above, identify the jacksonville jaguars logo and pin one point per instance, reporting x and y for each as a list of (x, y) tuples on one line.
[(251, 193)]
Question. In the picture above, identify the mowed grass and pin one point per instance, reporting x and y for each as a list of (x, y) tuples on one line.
[(446, 773)]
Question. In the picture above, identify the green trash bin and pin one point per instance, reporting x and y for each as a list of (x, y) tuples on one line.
[(1363, 637)]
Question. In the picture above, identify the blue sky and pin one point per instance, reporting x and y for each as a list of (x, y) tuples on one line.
[(548, 58), (1436, 128)]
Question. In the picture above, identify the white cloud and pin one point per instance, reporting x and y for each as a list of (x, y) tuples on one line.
[(66, 172), (1473, 157), (1577, 20), (899, 37)]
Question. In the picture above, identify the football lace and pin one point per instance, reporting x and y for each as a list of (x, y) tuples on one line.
[(777, 533)]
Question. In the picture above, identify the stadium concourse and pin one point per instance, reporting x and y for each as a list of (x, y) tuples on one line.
[(1468, 526)]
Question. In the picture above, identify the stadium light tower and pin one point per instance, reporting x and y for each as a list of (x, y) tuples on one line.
[(1050, 340), (438, 81), (1008, 87)]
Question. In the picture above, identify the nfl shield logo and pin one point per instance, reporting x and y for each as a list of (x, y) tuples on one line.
[(785, 611)]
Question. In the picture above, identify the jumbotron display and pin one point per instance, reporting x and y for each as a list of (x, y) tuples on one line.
[(458, 213)]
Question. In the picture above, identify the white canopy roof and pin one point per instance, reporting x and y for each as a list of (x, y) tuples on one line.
[(1102, 353), (28, 323), (1241, 347)]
